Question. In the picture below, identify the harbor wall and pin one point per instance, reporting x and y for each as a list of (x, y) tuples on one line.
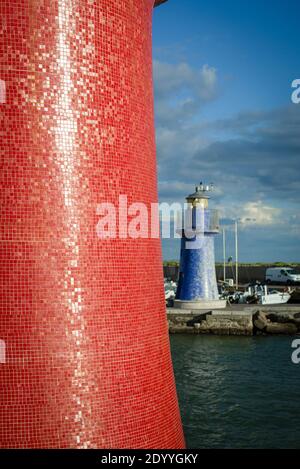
[(247, 273)]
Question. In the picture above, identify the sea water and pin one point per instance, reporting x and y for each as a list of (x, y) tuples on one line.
[(237, 392)]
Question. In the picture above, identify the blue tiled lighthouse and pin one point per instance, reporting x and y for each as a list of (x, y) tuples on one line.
[(197, 285)]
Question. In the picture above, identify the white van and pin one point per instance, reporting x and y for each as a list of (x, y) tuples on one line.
[(282, 275)]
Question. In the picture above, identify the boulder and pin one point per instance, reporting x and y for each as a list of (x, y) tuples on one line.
[(297, 322), (277, 317), (280, 328), (260, 320)]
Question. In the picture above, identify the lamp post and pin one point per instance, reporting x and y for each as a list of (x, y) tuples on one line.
[(224, 254), (236, 256)]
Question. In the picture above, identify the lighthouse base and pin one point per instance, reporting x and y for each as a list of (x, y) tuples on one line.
[(200, 304)]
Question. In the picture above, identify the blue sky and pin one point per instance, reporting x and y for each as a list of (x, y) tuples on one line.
[(222, 76)]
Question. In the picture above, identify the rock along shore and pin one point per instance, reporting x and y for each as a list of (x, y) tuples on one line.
[(237, 320)]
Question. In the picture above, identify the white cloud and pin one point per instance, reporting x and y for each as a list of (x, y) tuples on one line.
[(258, 213), (173, 77), (181, 90)]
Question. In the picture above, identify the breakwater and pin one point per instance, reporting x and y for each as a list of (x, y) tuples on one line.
[(237, 320)]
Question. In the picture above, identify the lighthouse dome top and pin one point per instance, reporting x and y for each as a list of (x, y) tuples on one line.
[(201, 192)]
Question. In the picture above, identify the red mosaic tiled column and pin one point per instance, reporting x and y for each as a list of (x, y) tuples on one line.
[(82, 320)]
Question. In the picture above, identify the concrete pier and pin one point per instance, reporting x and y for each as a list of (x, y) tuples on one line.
[(237, 320)]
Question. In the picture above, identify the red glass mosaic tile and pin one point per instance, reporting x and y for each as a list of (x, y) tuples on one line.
[(87, 360)]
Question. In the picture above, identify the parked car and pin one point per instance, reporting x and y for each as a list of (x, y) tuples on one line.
[(285, 275)]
